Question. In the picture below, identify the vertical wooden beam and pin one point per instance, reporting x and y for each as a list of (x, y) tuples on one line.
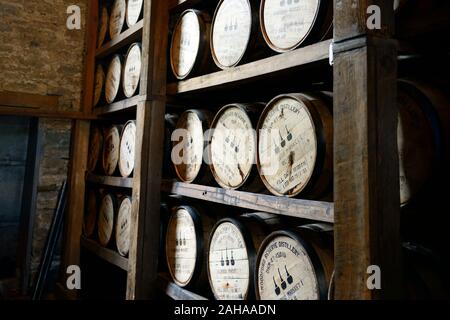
[(366, 157), (91, 47), (350, 18), (75, 212), (144, 250), (29, 195)]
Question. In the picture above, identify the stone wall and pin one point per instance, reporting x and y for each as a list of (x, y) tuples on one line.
[(39, 55)]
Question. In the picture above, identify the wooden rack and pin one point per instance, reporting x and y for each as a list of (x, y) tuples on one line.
[(365, 211)]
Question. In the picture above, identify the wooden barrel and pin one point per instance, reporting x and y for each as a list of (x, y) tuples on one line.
[(95, 148), (287, 24), (105, 225), (103, 26), (170, 123), (233, 146), (123, 226), (295, 146), (294, 265), (113, 77), (422, 136), (90, 216), (127, 149), (117, 18), (134, 12), (99, 84), (235, 35), (189, 50), (186, 240), (132, 70), (189, 145), (232, 252), (111, 149)]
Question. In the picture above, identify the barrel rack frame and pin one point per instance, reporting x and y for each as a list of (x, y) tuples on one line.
[(365, 210)]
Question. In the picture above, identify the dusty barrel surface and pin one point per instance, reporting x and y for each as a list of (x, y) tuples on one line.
[(127, 149), (106, 219), (235, 34), (189, 50), (99, 84), (232, 250), (134, 12), (117, 18), (123, 225), (422, 136), (113, 77), (186, 242), (95, 148), (103, 26), (189, 144), (294, 265), (233, 145), (295, 145), (132, 70), (111, 149), (91, 211), (287, 24)]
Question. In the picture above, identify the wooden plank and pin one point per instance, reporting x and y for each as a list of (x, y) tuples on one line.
[(366, 180), (127, 37), (174, 291), (306, 209), (110, 181), (75, 205), (119, 106), (105, 253), (28, 100), (255, 70), (144, 247), (44, 113), (350, 18), (29, 195), (89, 68)]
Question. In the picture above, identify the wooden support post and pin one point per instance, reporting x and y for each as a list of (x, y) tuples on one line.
[(91, 45), (144, 250), (75, 213), (365, 153)]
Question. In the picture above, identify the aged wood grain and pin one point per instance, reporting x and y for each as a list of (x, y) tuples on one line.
[(314, 210), (366, 182)]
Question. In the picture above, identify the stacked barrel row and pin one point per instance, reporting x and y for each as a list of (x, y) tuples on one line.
[(292, 146), (243, 30), (108, 211), (117, 76), (240, 31), (248, 256), (233, 256), (108, 219), (121, 80), (116, 18), (112, 149)]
